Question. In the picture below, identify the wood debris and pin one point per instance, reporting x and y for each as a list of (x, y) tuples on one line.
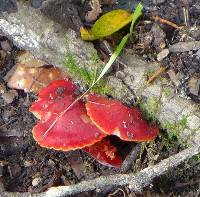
[(181, 47), (194, 86), (163, 54)]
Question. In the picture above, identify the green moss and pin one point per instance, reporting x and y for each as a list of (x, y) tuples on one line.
[(150, 108), (149, 72), (76, 71), (83, 73), (174, 129), (167, 92)]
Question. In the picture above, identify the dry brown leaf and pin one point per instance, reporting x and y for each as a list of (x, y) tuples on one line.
[(33, 79), (29, 60)]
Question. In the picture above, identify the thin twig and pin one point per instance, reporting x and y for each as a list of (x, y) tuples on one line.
[(136, 182), (157, 18), (156, 74)]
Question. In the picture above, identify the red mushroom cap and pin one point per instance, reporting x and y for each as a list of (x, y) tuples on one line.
[(112, 117), (73, 130), (48, 95), (57, 88), (105, 153), (40, 107)]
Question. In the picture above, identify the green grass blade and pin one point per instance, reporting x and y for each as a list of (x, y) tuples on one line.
[(113, 57), (136, 15)]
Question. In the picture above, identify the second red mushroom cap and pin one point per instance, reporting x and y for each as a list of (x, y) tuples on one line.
[(114, 118)]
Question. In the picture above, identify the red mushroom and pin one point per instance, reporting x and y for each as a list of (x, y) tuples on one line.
[(58, 88), (47, 96), (112, 117), (105, 153), (72, 130), (77, 127)]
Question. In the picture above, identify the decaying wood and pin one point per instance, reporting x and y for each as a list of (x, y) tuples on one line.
[(184, 46), (136, 182)]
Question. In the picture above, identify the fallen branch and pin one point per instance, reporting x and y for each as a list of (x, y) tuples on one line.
[(136, 182)]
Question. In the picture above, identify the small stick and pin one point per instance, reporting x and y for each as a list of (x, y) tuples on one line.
[(156, 74), (157, 18)]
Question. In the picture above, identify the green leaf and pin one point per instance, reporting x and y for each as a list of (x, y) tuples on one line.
[(110, 23), (113, 57), (86, 34), (107, 24), (136, 15)]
